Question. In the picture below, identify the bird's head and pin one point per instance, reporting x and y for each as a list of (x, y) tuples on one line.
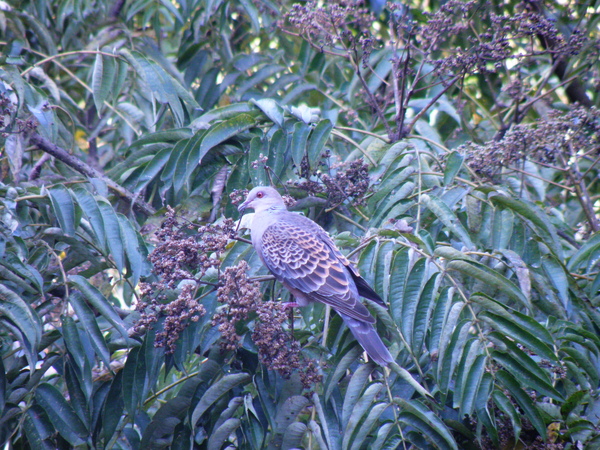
[(261, 198)]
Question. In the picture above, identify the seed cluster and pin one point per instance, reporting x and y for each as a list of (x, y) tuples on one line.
[(557, 138), (350, 181), (276, 347), (183, 255), (240, 298), (334, 23)]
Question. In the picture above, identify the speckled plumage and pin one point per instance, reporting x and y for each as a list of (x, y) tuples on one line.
[(305, 259)]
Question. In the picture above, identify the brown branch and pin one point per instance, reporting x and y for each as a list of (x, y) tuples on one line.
[(62, 155), (433, 101)]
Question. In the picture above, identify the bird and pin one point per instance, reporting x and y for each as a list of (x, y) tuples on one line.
[(304, 258)]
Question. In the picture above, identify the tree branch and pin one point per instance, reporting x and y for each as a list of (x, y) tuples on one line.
[(62, 155)]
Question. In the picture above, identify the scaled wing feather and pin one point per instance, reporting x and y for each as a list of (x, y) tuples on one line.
[(303, 261)]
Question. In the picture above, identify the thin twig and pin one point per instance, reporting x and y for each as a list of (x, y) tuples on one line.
[(368, 133), (356, 144)]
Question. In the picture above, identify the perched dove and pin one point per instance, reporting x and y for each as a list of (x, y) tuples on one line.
[(305, 259)]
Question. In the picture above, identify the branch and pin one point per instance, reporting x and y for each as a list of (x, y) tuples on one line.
[(62, 155)]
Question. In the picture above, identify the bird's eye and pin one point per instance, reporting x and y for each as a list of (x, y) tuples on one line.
[(260, 195)]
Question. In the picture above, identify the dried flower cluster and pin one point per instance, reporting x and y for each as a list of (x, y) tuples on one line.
[(184, 309), (182, 254), (344, 23), (556, 138), (239, 297), (486, 51), (238, 196), (350, 182), (460, 38), (178, 252), (276, 347)]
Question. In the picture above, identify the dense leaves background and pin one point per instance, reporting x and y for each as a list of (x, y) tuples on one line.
[(450, 148)]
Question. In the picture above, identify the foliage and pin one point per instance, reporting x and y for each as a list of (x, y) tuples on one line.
[(450, 148)]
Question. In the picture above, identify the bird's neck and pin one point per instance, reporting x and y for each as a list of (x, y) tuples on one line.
[(273, 209)]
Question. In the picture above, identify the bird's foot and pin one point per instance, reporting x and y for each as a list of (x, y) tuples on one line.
[(288, 305)]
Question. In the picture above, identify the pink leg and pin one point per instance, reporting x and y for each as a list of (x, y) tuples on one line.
[(290, 305)]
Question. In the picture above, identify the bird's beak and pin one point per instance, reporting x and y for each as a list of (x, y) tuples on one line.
[(243, 206)]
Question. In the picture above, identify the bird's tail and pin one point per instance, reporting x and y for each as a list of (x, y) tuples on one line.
[(367, 337)]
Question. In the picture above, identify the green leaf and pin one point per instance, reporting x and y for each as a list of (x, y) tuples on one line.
[(221, 435), (410, 299), (589, 253), (152, 169), (135, 258), (90, 325), (225, 112), (391, 184), (15, 309), (573, 401), (520, 334), (502, 228), (448, 218), (64, 209), (452, 348), (490, 278), (112, 230), (103, 78), (406, 376), (135, 379), (506, 406), (354, 392), (523, 400), (183, 165), (299, 140), (423, 314), (91, 210), (363, 406), (293, 436), (583, 362), (216, 391), (223, 131), (471, 385), (113, 407), (414, 413), (558, 277), (61, 414), (398, 274), (256, 169), (527, 378), (37, 428), (535, 216), (368, 425), (439, 318), (277, 153), (72, 341), (286, 416), (316, 142), (164, 136), (525, 361), (270, 108), (454, 162), (95, 298)]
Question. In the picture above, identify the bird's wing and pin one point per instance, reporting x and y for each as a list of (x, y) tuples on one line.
[(302, 260), (364, 290)]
